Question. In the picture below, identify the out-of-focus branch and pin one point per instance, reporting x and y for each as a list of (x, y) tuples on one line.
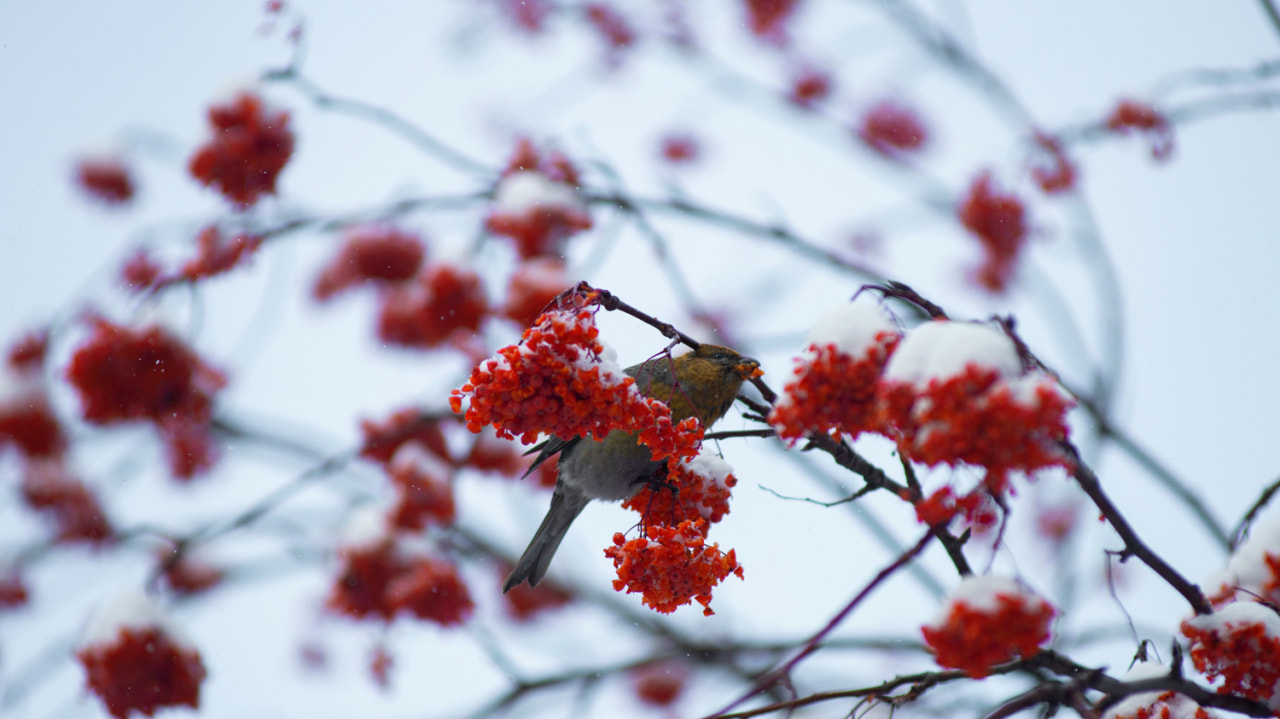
[(1272, 14), (1180, 114), (686, 208), (379, 116), (773, 677)]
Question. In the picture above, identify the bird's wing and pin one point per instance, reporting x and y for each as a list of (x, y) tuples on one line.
[(549, 449), (655, 371)]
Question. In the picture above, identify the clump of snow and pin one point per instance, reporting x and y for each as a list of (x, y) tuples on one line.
[(607, 362), (415, 456), (983, 594), (18, 388), (129, 610), (852, 327), (521, 192), (366, 527), (1239, 614), (1247, 568), (543, 271), (943, 349), (710, 466), (1025, 390)]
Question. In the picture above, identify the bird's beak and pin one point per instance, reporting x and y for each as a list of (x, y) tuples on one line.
[(749, 368)]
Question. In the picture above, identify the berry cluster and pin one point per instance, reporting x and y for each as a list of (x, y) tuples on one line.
[(988, 621), (249, 145), (670, 565), (136, 661), (998, 220), (380, 578), (536, 203), (1240, 644), (892, 129), (557, 380), (125, 374), (1133, 116)]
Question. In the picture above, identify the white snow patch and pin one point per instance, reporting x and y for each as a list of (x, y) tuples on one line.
[(521, 192), (943, 349), (20, 388), (366, 527), (1025, 390), (710, 466), (607, 362), (1239, 614), (130, 610), (1247, 568), (415, 457), (983, 593), (852, 327), (543, 272)]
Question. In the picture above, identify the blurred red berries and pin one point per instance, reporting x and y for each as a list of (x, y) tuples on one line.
[(250, 144), (129, 374), (375, 254), (1133, 116), (680, 149), (767, 19), (892, 129), (106, 179), (443, 300), (809, 87), (533, 286), (136, 662), (998, 220), (536, 203)]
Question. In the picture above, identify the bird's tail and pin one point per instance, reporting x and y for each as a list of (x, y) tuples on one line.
[(565, 507)]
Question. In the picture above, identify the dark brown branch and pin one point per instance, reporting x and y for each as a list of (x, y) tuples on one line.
[(610, 302), (1178, 487), (904, 292), (731, 434), (1057, 692), (1133, 545)]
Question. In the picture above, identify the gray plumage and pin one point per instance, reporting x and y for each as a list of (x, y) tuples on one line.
[(618, 466)]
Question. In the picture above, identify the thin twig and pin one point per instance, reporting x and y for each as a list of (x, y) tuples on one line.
[(776, 675), (1242, 528)]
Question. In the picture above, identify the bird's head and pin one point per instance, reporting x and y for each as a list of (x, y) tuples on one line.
[(729, 362)]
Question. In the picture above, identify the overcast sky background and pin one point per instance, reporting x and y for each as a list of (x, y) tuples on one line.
[(1194, 242)]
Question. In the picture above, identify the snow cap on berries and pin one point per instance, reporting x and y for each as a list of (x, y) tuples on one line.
[(1239, 644), (853, 327), (129, 610), (988, 621), (836, 378), (942, 350), (526, 191), (1254, 567), (136, 660)]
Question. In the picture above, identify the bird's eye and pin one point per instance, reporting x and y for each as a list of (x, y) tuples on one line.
[(719, 357)]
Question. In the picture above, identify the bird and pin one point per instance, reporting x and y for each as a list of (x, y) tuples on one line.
[(618, 466)]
